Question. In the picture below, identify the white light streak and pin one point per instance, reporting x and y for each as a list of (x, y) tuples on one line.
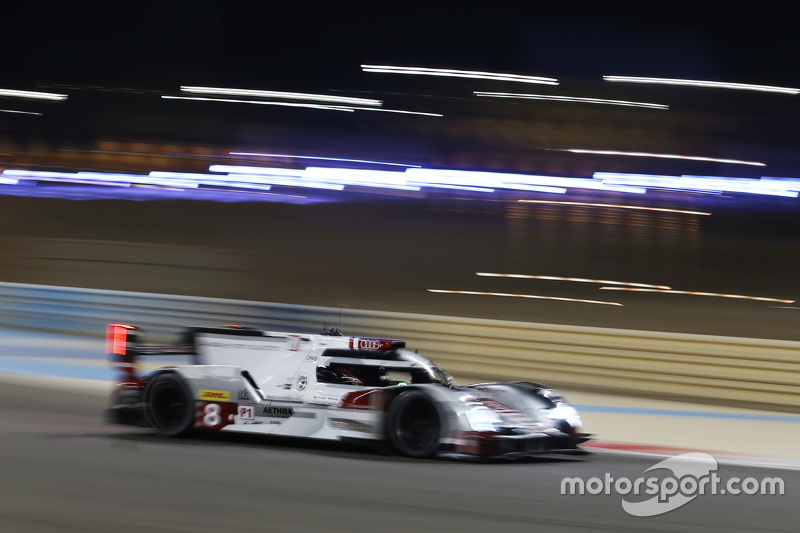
[(531, 296), (579, 280), (523, 182), (360, 177), (283, 95), (398, 111), (8, 181), (99, 178), (575, 99), (260, 102), (694, 293), (456, 187), (266, 171), (491, 180), (288, 181), (702, 83), (13, 93), (769, 187), (664, 156), (135, 178), (452, 73), (19, 112), (617, 206)]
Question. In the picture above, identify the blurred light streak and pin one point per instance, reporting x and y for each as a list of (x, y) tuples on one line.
[(501, 180), (366, 178), (617, 206), (326, 159), (695, 293), (493, 180), (13, 93), (783, 307), (700, 183), (99, 178), (663, 156), (579, 280), (287, 181), (702, 83), (233, 184), (532, 296), (9, 181), (19, 112), (212, 179), (266, 171), (452, 73), (456, 187), (260, 102), (383, 110), (36, 175), (790, 184), (283, 95), (136, 178), (575, 99)]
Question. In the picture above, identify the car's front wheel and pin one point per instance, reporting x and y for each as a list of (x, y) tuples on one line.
[(169, 405), (414, 425)]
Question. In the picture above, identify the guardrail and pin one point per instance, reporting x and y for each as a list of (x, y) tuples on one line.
[(731, 370)]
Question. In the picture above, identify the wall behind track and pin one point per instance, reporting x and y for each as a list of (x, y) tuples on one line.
[(730, 370)]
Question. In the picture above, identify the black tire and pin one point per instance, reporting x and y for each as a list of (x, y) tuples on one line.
[(414, 426), (169, 405)]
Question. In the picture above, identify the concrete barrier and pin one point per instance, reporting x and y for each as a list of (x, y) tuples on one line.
[(730, 370)]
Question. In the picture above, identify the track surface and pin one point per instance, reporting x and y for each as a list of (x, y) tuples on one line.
[(65, 470)]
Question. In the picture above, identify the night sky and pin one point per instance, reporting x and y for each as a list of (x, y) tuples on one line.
[(307, 45)]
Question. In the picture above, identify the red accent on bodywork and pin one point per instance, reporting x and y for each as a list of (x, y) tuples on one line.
[(217, 419), (365, 400)]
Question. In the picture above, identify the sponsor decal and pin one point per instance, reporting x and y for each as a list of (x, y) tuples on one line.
[(212, 415), (242, 394), (252, 422), (219, 395), (246, 412), (351, 425), (293, 341), (277, 412)]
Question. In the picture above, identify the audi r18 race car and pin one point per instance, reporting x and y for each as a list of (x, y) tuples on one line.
[(328, 386)]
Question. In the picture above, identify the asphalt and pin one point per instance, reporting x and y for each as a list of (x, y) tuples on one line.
[(65, 470)]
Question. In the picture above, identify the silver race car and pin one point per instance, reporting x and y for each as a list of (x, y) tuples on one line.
[(328, 386)]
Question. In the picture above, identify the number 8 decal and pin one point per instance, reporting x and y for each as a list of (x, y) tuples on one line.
[(211, 415)]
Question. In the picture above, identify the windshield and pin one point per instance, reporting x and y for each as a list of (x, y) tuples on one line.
[(433, 372), (399, 367)]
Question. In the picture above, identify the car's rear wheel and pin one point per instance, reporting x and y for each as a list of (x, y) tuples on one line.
[(414, 425), (169, 405)]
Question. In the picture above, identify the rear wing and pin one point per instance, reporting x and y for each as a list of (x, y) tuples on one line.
[(123, 345)]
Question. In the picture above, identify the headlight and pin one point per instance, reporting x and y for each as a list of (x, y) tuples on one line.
[(481, 419), (563, 411)]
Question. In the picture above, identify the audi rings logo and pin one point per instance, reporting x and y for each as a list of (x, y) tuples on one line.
[(369, 344)]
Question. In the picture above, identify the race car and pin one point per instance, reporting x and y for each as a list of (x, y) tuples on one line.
[(329, 386)]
